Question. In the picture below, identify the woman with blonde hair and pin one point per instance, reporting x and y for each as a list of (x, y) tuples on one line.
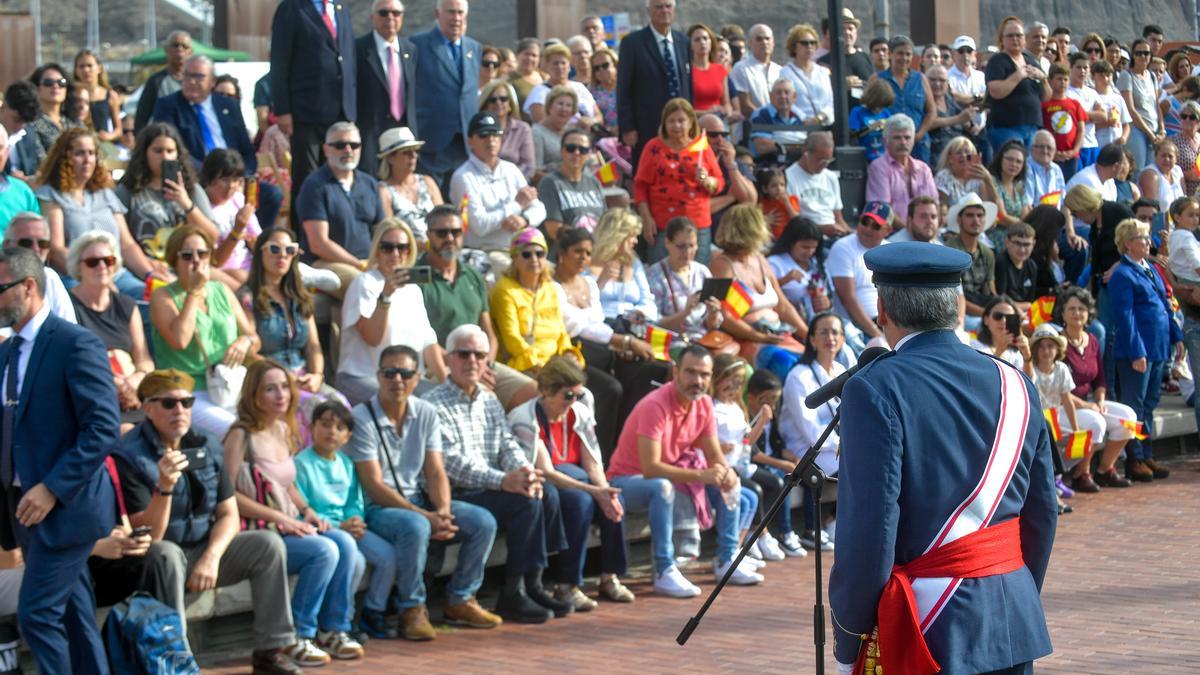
[(402, 191), (548, 133), (960, 171), (619, 273), (516, 145), (814, 91), (383, 308), (556, 60), (771, 319)]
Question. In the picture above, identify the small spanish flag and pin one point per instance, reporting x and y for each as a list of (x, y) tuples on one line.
[(152, 285), (1051, 415), (699, 145), (1051, 198), (1078, 444), (660, 342), (1136, 427), (1041, 310), (607, 174), (462, 211), (737, 300)]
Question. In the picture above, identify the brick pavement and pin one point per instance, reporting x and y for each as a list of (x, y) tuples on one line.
[(1122, 596)]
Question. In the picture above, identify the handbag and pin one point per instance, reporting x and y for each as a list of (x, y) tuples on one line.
[(719, 342), (252, 482), (223, 383)]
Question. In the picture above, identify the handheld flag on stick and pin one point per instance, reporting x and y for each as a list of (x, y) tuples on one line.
[(1051, 415), (699, 145), (607, 174), (1078, 445), (1041, 310), (1135, 426), (462, 211), (737, 299), (1051, 198), (660, 342), (152, 285)]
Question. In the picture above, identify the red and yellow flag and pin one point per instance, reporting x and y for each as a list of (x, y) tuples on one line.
[(699, 145), (607, 174), (1078, 445), (152, 285), (1051, 415), (1051, 198), (1136, 427), (462, 211), (737, 300), (660, 342), (1041, 310)]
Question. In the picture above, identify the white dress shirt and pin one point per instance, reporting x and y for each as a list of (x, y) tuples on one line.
[(491, 197)]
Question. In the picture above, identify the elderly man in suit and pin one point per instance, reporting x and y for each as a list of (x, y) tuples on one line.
[(655, 67), (312, 77), (448, 75), (60, 420), (386, 65)]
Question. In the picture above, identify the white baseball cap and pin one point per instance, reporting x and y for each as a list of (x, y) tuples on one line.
[(963, 41)]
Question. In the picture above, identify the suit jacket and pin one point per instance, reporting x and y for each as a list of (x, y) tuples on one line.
[(178, 111), (1144, 324), (312, 76), (67, 422), (374, 104), (642, 81), (448, 98), (918, 427)]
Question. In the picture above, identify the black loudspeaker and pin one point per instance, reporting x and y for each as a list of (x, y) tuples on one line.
[(850, 161)]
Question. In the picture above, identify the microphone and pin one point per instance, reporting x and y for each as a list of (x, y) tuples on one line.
[(834, 387)]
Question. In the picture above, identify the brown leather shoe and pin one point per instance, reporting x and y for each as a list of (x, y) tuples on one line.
[(1084, 483), (1136, 470), (414, 624), (1111, 479), (471, 615), (273, 662), (1157, 469)]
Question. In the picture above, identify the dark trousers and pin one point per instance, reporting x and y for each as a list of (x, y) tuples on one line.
[(769, 486), (532, 527), (607, 392), (579, 511), (634, 379), (307, 157), (270, 203), (115, 580), (441, 164), (57, 611)]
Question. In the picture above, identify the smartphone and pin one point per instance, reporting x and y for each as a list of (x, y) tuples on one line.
[(170, 169), (142, 531), (197, 457), (1012, 324), (421, 274)]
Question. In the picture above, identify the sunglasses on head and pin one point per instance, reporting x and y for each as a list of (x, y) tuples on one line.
[(446, 233), (342, 145), (199, 254), (169, 402), (390, 247), (465, 354), (496, 99), (575, 148), (391, 373), (569, 396), (385, 13), (277, 249), (490, 64), (109, 261), (535, 253), (50, 82), (26, 242)]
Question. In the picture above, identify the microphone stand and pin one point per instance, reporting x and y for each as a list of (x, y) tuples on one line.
[(807, 471)]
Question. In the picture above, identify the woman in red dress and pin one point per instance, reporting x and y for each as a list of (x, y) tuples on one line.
[(710, 79)]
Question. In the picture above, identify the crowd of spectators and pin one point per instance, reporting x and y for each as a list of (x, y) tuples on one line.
[(480, 301)]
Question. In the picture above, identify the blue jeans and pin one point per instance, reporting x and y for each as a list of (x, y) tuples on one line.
[(532, 527), (998, 136), (327, 566), (747, 508), (1191, 340), (579, 511), (703, 246), (381, 556), (1142, 149), (1141, 392), (657, 495), (408, 532)]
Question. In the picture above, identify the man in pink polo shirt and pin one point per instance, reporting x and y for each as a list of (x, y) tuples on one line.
[(669, 443)]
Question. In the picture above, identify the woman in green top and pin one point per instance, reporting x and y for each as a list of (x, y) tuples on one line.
[(1008, 179), (198, 321)]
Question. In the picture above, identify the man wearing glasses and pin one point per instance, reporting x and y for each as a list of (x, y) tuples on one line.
[(29, 230), (817, 188), (166, 81), (386, 67), (738, 179)]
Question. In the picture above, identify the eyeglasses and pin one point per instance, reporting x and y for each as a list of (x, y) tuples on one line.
[(110, 261), (466, 354), (576, 149), (385, 13), (490, 64), (199, 254), (391, 373), (342, 145), (449, 233), (570, 396), (872, 224), (169, 402), (495, 99), (999, 316), (51, 83), (807, 43), (31, 243), (195, 77), (601, 66), (5, 287), (278, 249), (1142, 53), (535, 253), (1094, 50), (390, 247)]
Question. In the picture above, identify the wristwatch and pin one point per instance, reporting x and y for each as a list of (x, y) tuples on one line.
[(385, 299)]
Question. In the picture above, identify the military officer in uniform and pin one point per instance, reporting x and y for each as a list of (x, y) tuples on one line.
[(945, 489)]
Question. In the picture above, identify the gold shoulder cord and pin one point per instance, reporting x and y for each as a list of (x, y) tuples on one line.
[(871, 665)]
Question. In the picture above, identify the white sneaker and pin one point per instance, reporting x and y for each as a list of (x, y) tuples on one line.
[(754, 552), (753, 563), (322, 280), (742, 575), (768, 547), (807, 542), (673, 584), (791, 546)]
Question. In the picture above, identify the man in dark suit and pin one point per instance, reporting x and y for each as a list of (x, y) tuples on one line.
[(386, 65), (448, 77), (166, 81), (655, 67), (312, 77), (60, 420)]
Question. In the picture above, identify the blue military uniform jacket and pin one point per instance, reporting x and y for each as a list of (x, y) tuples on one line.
[(918, 429)]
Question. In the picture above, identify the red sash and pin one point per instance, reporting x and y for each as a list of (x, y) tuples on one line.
[(986, 552)]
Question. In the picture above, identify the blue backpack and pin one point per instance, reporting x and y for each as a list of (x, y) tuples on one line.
[(142, 635)]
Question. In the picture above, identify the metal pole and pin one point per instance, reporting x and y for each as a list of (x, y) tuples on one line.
[(35, 12), (92, 40), (151, 26), (883, 19), (837, 59)]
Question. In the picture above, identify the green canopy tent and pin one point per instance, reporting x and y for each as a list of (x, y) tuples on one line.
[(158, 57)]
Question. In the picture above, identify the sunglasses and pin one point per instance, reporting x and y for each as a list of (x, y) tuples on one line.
[(109, 261), (391, 373), (31, 243), (1189, 117), (447, 233), (342, 145), (807, 43), (50, 82), (169, 402), (1137, 53), (569, 396), (965, 50), (490, 64), (5, 287), (999, 316), (389, 247), (536, 253), (717, 134), (198, 254), (278, 249), (575, 148), (601, 66), (870, 224), (496, 99), (385, 13), (466, 354), (1093, 50)]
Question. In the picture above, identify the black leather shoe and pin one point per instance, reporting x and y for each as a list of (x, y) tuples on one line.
[(539, 595), (519, 608), (375, 624), (1111, 479), (273, 662)]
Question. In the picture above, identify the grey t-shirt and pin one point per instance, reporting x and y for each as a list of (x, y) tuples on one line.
[(149, 211), (403, 461), (95, 213), (1143, 93), (567, 201)]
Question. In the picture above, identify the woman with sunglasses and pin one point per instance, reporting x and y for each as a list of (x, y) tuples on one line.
[(52, 89), (998, 338), (382, 308), (572, 194), (94, 259), (814, 91), (557, 62), (223, 178), (558, 433), (604, 86), (105, 107), (1138, 87), (1187, 142), (516, 145), (1093, 46), (528, 73), (547, 134), (197, 323), (710, 80), (489, 65), (403, 192)]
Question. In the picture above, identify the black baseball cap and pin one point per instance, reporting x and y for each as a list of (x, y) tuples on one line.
[(483, 122)]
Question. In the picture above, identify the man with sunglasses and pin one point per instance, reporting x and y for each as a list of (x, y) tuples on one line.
[(167, 81), (386, 67), (174, 481), (738, 177), (397, 451), (967, 83), (855, 298), (15, 195), (29, 230)]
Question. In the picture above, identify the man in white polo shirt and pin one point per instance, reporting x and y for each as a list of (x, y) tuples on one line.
[(817, 188)]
